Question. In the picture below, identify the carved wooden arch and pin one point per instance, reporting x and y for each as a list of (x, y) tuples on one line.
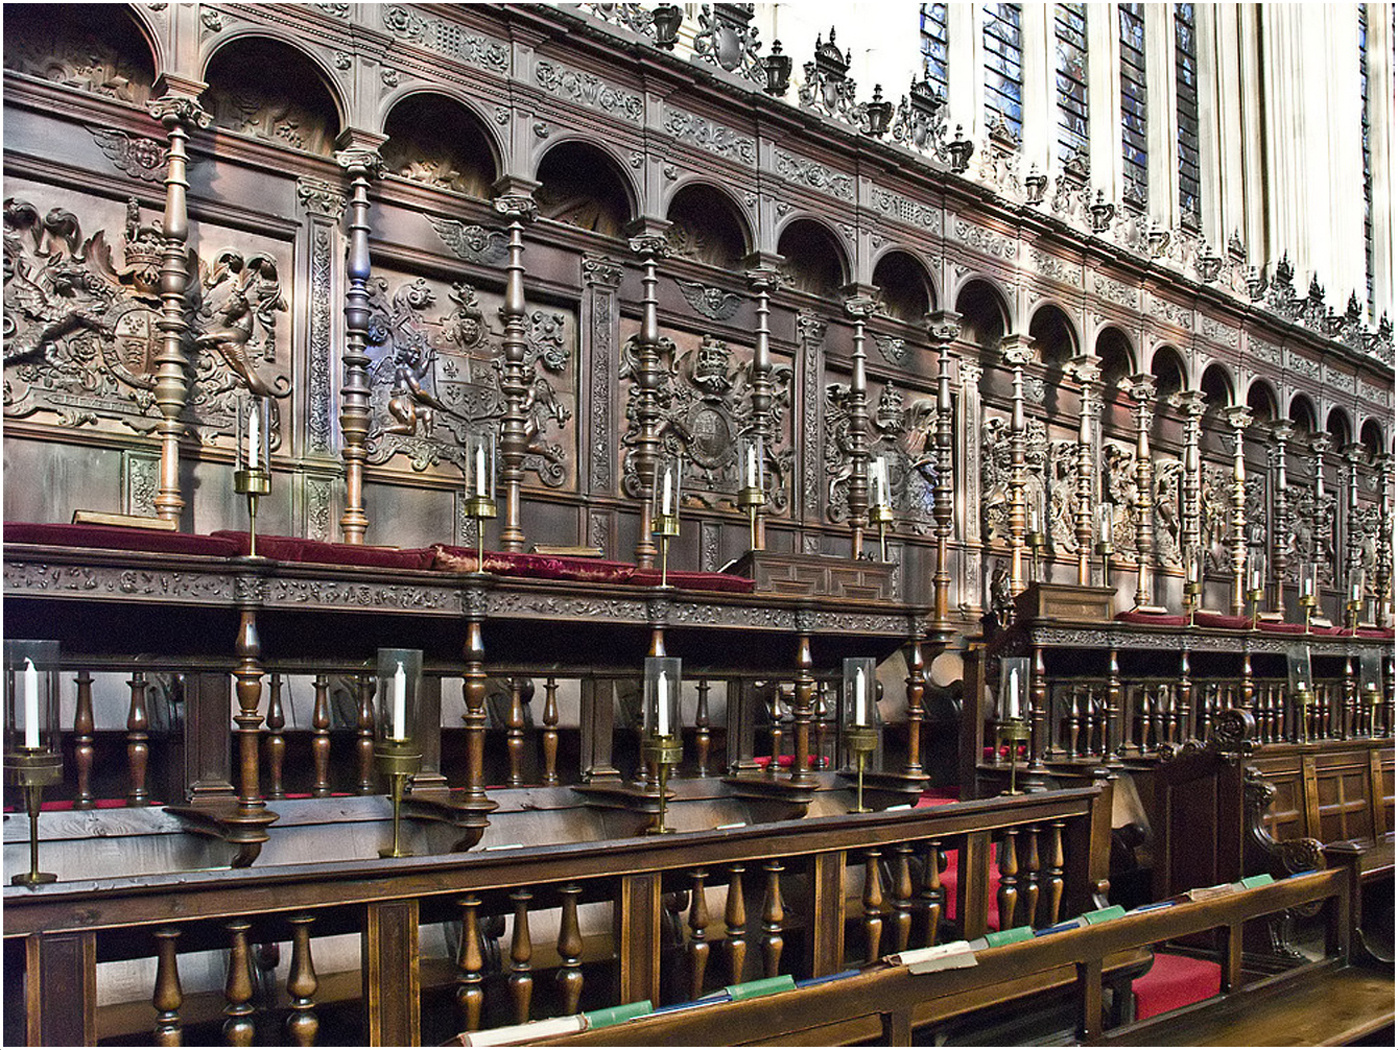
[(329, 76), (997, 297), (1159, 350), (1307, 404), (1230, 380), (929, 277), (1269, 389), (144, 20), (635, 199), (742, 213), (498, 149), (1343, 414), (1052, 303), (844, 250), (1372, 436), (1133, 351)]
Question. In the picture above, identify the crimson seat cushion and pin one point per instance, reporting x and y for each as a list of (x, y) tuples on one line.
[(1154, 619), (116, 537), (1296, 628), (535, 566), (293, 548), (1174, 981), (1222, 620)]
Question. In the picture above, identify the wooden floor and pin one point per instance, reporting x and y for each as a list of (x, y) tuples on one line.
[(1331, 1006)]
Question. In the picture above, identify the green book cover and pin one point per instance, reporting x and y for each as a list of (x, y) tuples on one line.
[(999, 937), (1116, 911), (766, 986), (1256, 880), (616, 1014)]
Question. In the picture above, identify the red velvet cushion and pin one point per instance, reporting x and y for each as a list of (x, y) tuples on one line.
[(1296, 628), (1228, 623), (1154, 619), (535, 566), (695, 581), (1375, 632), (1174, 981), (293, 548), (115, 537)]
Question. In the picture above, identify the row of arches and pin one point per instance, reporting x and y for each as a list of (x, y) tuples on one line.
[(442, 138)]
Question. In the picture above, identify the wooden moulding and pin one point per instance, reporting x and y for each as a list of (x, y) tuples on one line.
[(1065, 602), (814, 575)]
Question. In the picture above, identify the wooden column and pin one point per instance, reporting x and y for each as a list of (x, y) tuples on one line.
[(824, 917), (943, 328), (60, 989), (648, 248), (859, 307), (178, 111), (1282, 431), (763, 279), (801, 710), (1017, 351), (1239, 417), (517, 208), (392, 987), (1192, 404), (636, 930), (1088, 371), (362, 163), (1142, 388), (916, 687)]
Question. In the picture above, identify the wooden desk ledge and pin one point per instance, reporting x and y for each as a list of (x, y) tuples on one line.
[(1321, 1004)]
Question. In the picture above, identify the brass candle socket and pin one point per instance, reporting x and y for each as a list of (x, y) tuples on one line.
[(33, 770), (663, 752), (861, 740), (1192, 590), (483, 509), (1306, 703), (1307, 602), (1255, 600), (1012, 731), (1035, 541), (397, 760), (752, 499), (252, 483), (665, 526), (1105, 550), (881, 515)]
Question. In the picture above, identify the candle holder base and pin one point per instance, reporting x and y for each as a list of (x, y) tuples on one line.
[(665, 526), (252, 483), (397, 761), (1012, 731), (663, 752), (861, 740), (33, 770)]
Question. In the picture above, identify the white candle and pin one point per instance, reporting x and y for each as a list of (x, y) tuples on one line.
[(752, 467), (665, 496), (1033, 519), (860, 712), (480, 469), (31, 704), (1256, 578), (1104, 526), (254, 436), (662, 705), (1014, 692), (880, 482), (400, 703), (1356, 589), (1307, 582)]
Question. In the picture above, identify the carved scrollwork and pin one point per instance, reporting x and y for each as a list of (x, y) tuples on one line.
[(714, 303), (905, 435), (1233, 732)]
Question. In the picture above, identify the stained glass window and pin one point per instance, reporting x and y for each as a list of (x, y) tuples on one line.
[(1187, 111), (1367, 150), (1131, 18), (1004, 67), (934, 46), (1070, 36)]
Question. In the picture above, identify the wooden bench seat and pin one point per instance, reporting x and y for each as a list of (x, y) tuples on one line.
[(1321, 1004)]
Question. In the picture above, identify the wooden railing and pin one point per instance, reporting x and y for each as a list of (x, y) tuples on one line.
[(589, 924)]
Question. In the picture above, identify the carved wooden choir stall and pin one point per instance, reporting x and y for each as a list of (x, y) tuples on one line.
[(508, 523)]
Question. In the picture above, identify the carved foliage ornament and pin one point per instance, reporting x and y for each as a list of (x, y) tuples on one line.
[(905, 434), (81, 333), (710, 136), (587, 90)]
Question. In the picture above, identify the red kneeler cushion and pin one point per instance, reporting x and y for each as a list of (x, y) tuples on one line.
[(1174, 981), (317, 552), (116, 537), (1154, 619)]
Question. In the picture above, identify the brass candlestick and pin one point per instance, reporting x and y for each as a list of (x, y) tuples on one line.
[(33, 770), (751, 498), (1255, 597), (397, 760), (881, 515), (1012, 731), (483, 509), (1105, 550), (1036, 542), (252, 482), (861, 740), (663, 752), (665, 527), (1192, 590), (1308, 604)]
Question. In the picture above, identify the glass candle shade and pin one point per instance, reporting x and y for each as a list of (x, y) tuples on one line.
[(1307, 580), (859, 708), (665, 496), (1371, 673), (1256, 570), (1013, 699), (1357, 582), (751, 462), (880, 489), (1298, 669), (254, 433), (399, 696), (479, 468), (661, 697), (31, 696), (1102, 528)]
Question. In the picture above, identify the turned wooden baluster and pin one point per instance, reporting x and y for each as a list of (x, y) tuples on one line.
[(137, 746), (930, 896), (735, 920), (514, 734), (320, 737), (775, 709), (1171, 717), (83, 751), (773, 914), (521, 951), (1248, 688), (1008, 895), (364, 730), (1185, 699), (1029, 882), (1101, 712), (1349, 722), (238, 1029), (276, 743), (570, 946), (872, 900), (702, 740), (301, 984), (168, 995), (1053, 873), (470, 966), (902, 896), (1076, 717), (698, 948), (550, 719), (1206, 712), (822, 723)]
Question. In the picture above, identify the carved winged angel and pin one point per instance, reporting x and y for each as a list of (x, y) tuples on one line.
[(240, 297)]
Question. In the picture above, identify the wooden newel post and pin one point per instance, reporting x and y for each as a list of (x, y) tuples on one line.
[(517, 208)]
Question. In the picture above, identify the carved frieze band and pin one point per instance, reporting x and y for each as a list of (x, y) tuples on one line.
[(446, 38), (40, 578), (816, 176), (986, 241), (711, 136), (1302, 365), (896, 206), (1115, 292), (588, 90), (1055, 268), (1169, 312), (1217, 331)]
